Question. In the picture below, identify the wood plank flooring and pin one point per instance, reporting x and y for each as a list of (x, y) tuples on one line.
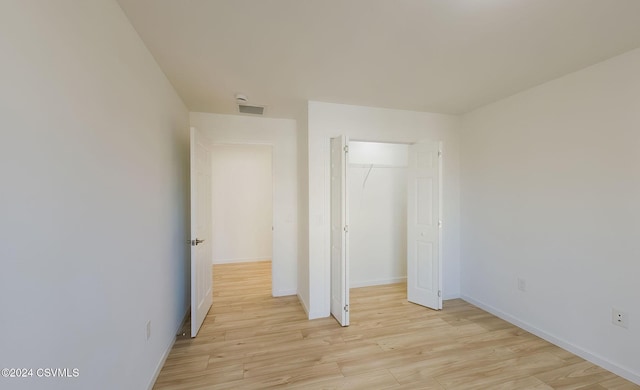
[(253, 341)]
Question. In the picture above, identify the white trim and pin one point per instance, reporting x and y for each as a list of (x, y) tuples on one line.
[(163, 359), (311, 315), (304, 306), (440, 222), (285, 293), (592, 357), (317, 314), (242, 260), (165, 355), (366, 283)]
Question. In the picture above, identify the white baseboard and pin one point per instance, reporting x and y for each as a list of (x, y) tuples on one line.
[(242, 260), (316, 314), (367, 283), (167, 350), (304, 305), (592, 357), (310, 315), (284, 293)]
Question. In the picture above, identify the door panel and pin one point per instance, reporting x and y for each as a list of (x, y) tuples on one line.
[(425, 265), (424, 227), (424, 187), (201, 268), (339, 232)]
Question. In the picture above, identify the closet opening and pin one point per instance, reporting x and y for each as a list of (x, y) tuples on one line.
[(377, 210), (385, 221)]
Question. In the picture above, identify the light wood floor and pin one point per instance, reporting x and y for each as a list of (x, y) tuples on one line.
[(253, 341)]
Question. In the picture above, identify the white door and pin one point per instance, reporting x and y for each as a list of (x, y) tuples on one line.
[(424, 220), (201, 271), (339, 232)]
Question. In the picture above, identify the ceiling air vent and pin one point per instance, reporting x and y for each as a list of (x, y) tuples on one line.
[(247, 109)]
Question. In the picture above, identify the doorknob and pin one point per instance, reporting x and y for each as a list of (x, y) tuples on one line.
[(196, 242)]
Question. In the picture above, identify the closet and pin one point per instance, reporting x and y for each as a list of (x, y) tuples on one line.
[(386, 220), (377, 189)]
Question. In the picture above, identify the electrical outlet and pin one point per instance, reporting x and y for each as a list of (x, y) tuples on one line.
[(148, 329), (522, 285), (619, 318)]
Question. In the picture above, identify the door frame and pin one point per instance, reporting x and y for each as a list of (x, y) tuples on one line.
[(327, 202)]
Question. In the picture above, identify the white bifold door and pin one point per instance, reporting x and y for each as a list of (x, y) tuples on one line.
[(424, 271), (201, 271), (424, 224), (339, 232)]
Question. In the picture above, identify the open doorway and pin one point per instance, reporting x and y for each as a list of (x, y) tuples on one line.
[(388, 198), (242, 209)]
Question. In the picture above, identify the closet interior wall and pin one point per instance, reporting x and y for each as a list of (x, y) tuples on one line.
[(377, 191)]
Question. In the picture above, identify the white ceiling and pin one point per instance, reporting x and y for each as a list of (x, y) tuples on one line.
[(447, 56)]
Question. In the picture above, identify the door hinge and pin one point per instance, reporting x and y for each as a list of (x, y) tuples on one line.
[(439, 153), (346, 228), (439, 293), (346, 148), (440, 223), (346, 308)]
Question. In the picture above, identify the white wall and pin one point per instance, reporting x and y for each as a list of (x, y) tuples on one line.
[(280, 134), (551, 182), (242, 203), (377, 206), (94, 154), (377, 225), (328, 120)]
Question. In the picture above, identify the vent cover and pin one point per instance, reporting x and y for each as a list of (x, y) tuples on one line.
[(255, 110)]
